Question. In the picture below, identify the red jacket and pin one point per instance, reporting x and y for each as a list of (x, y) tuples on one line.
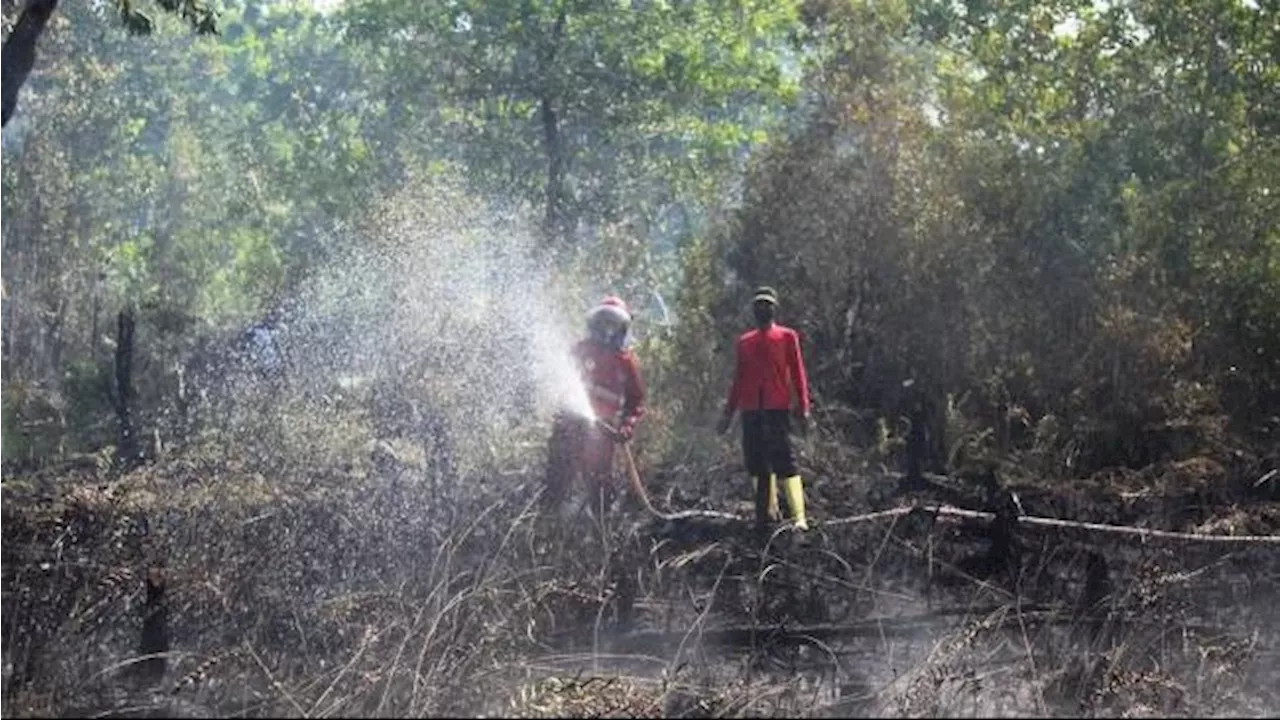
[(613, 382), (769, 368)]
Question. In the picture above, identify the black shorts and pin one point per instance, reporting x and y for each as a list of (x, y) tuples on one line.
[(766, 443)]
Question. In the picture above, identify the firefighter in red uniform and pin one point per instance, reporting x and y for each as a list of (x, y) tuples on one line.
[(769, 370), (579, 446)]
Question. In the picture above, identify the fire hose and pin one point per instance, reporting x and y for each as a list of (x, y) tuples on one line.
[(637, 486)]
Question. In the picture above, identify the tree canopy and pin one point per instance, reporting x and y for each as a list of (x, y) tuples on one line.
[(1057, 212)]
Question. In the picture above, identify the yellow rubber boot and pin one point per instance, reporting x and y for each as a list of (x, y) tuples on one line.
[(795, 500)]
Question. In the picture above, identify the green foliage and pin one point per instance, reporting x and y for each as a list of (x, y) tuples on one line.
[(1060, 214), (202, 19), (44, 423), (599, 112), (18, 446), (199, 176), (88, 389), (1035, 214)]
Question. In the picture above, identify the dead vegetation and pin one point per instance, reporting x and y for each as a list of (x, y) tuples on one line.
[(211, 584)]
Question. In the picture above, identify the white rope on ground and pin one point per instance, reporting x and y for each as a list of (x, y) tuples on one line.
[(947, 510), (895, 512)]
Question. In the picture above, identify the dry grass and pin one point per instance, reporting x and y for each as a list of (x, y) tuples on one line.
[(348, 583)]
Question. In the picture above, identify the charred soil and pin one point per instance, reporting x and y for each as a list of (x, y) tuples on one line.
[(204, 586)]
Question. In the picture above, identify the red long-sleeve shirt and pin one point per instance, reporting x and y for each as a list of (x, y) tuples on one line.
[(613, 382), (769, 368)]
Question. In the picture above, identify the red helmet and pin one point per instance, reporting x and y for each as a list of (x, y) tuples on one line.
[(616, 307)]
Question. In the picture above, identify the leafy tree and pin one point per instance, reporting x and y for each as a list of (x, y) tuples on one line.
[(1039, 214), (193, 180), (591, 110), (1152, 130), (29, 25)]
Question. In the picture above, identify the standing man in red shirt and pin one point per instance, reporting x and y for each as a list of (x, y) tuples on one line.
[(611, 375), (769, 370)]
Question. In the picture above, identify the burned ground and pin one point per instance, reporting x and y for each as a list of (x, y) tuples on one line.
[(204, 586)]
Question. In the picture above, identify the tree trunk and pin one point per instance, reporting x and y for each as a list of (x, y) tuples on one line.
[(557, 220), (94, 327), (13, 343), (8, 340), (127, 450), (19, 53), (57, 321)]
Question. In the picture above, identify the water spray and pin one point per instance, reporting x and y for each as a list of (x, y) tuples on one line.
[(449, 304)]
